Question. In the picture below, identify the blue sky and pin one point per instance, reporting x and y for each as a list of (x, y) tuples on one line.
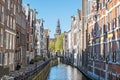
[(51, 10)]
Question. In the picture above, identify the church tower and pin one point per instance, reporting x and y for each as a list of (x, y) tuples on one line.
[(58, 30)]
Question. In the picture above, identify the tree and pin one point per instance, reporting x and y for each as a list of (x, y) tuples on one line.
[(52, 46), (59, 43)]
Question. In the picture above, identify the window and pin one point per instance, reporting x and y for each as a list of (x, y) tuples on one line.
[(11, 22), (75, 37), (103, 3), (118, 52), (5, 58), (114, 56), (18, 9), (1, 58), (106, 23), (14, 24), (1, 37), (111, 20), (3, 0), (11, 5), (10, 58), (8, 20), (13, 42), (10, 46), (2, 15), (103, 26), (118, 16), (110, 48), (7, 40), (8, 4), (14, 8)]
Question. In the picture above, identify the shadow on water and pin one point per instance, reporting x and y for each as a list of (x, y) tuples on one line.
[(65, 72)]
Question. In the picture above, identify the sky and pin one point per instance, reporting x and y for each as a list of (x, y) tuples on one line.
[(52, 10)]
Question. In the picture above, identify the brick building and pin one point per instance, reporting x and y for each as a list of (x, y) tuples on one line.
[(31, 26), (103, 39), (20, 48), (7, 33)]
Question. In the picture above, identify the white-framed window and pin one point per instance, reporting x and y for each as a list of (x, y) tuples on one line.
[(3, 0), (111, 53), (13, 46), (18, 8), (111, 20), (7, 40), (10, 58), (1, 37), (1, 58), (14, 24), (8, 4), (11, 22), (103, 3), (10, 46), (8, 19), (2, 15), (11, 5), (5, 58), (118, 16), (118, 51), (106, 23), (14, 8), (102, 25)]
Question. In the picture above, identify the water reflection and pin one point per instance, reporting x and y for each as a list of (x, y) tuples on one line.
[(65, 72)]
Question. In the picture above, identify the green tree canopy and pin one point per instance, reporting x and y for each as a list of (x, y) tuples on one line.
[(59, 43), (52, 46)]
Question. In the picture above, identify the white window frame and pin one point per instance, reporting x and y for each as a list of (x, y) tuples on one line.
[(110, 20), (14, 24), (118, 13), (1, 58), (8, 20), (8, 4), (1, 34), (106, 23), (13, 46), (14, 8), (2, 15), (5, 58)]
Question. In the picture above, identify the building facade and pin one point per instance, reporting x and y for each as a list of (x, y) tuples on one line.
[(31, 25), (7, 33), (20, 47), (75, 37), (65, 44), (103, 39), (40, 35), (46, 42)]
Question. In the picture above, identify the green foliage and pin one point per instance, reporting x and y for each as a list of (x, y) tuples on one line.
[(52, 46), (59, 43)]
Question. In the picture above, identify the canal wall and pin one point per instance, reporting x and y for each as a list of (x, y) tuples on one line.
[(42, 75)]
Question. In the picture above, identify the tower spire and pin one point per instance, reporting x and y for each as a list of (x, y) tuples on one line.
[(58, 30)]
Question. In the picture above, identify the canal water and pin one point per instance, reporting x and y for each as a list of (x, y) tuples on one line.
[(65, 72)]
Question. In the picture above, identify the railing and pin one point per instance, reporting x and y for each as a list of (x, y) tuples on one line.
[(30, 71)]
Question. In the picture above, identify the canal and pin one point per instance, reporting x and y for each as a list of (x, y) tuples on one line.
[(65, 72)]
